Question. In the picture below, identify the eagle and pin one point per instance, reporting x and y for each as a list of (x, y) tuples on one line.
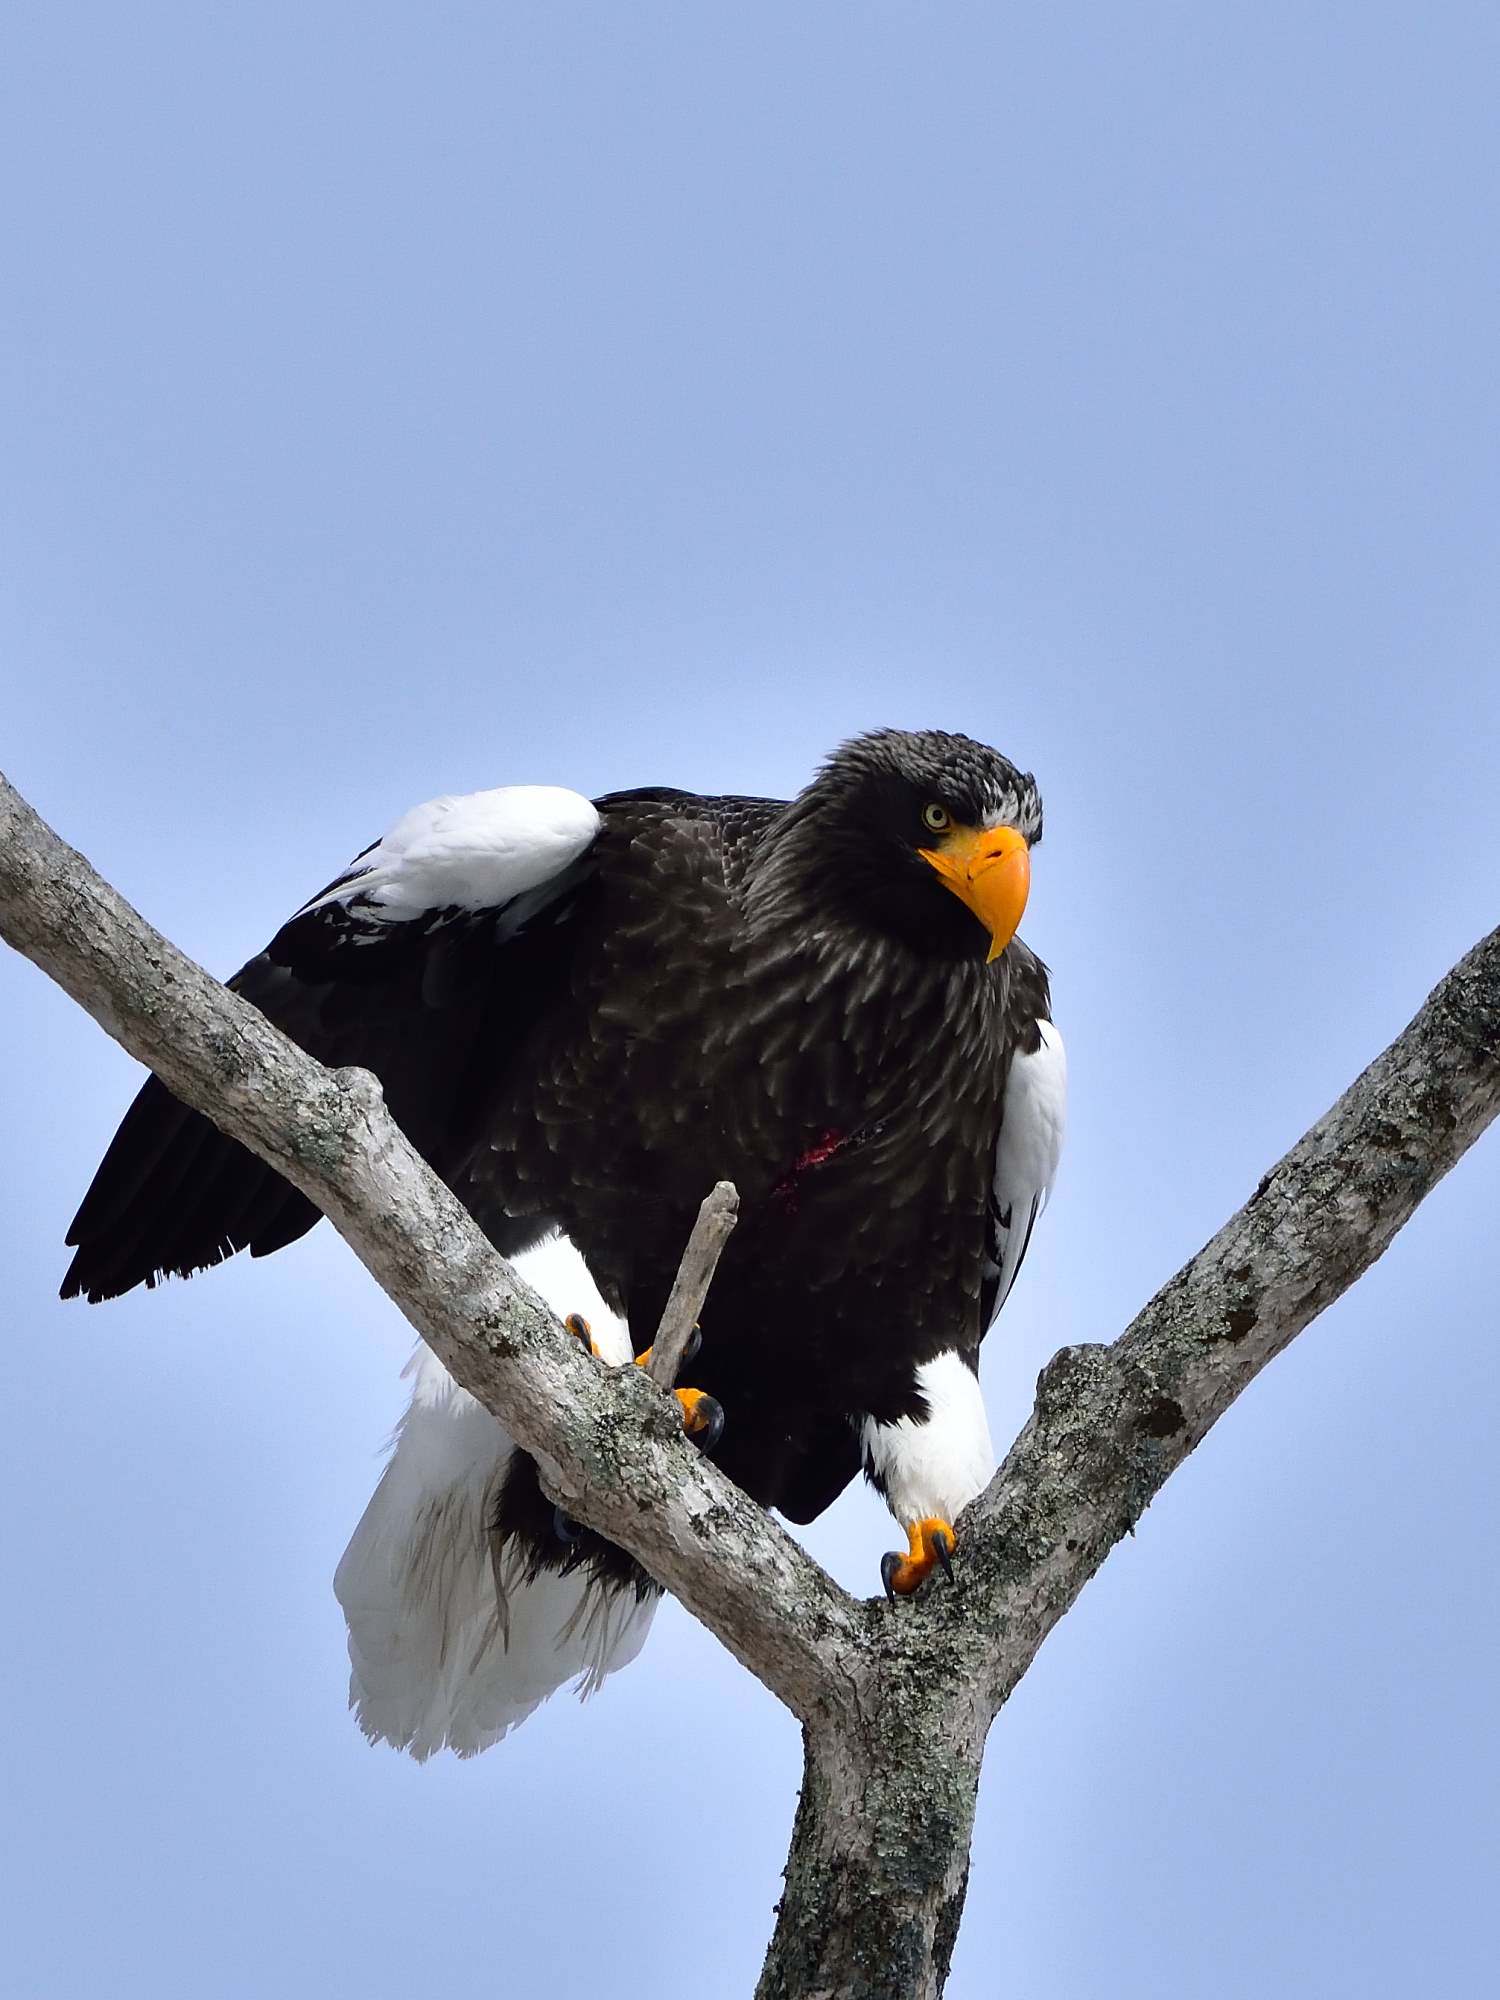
[(583, 1014)]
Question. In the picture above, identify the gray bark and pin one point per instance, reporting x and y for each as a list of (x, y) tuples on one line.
[(705, 1246), (879, 1862), (895, 1706)]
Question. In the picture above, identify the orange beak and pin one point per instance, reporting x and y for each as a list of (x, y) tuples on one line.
[(990, 870)]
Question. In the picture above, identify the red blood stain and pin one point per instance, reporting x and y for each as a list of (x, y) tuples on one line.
[(816, 1155), (824, 1149)]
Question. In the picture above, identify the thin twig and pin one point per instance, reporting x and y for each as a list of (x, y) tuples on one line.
[(716, 1219)]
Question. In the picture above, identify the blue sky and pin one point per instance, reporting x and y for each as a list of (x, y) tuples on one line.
[(398, 400)]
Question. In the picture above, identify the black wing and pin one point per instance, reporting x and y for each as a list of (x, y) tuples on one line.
[(431, 999)]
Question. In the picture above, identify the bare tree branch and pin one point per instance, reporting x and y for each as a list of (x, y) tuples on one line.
[(895, 1706), (716, 1219), (1112, 1423)]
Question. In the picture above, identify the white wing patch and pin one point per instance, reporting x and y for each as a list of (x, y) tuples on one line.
[(475, 852), (450, 1647), (1026, 1159)]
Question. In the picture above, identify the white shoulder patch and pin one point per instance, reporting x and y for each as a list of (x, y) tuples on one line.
[(1026, 1159), (475, 852)]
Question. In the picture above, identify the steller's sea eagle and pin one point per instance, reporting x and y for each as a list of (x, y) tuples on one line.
[(583, 1014)]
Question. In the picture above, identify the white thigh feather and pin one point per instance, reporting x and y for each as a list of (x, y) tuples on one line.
[(933, 1465), (444, 1652)]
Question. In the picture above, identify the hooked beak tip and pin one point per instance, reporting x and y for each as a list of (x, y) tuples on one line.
[(989, 870)]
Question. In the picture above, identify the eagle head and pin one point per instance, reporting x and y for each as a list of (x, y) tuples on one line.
[(920, 835)]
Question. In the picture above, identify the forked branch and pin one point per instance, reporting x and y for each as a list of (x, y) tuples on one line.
[(894, 1707)]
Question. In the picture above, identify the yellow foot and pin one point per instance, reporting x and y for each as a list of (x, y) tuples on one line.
[(579, 1327), (702, 1417), (689, 1353), (932, 1543)]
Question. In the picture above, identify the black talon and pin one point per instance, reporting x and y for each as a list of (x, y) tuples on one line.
[(707, 1434), (889, 1564), (565, 1527), (694, 1342), (942, 1548)]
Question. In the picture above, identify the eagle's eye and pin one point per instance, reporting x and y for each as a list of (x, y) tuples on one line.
[(936, 818)]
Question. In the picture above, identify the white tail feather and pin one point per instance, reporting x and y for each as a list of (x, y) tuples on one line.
[(449, 1646)]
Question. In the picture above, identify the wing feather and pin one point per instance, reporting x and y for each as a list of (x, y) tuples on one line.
[(423, 962)]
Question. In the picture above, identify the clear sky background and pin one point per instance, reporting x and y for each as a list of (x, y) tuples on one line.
[(403, 399)]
